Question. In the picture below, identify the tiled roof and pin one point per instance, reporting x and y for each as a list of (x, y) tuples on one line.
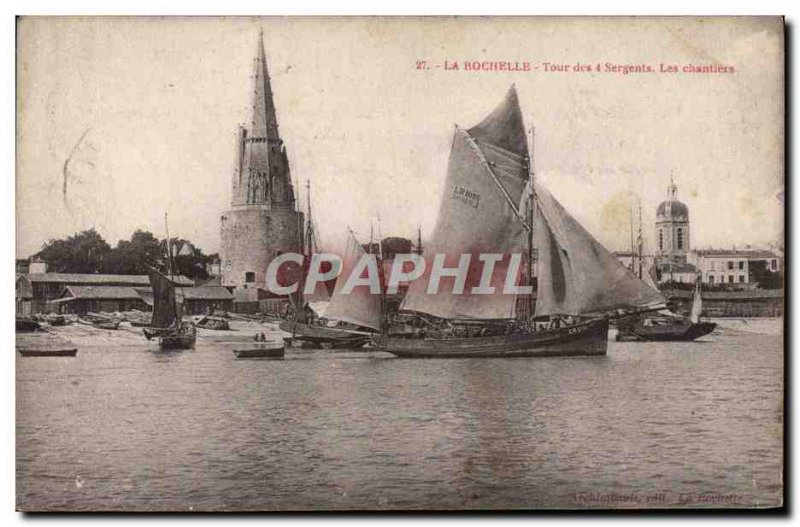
[(728, 295), (101, 279), (730, 253), (208, 292), (101, 292)]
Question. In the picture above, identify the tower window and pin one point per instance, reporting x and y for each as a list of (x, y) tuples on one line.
[(680, 238), (249, 277), (660, 240)]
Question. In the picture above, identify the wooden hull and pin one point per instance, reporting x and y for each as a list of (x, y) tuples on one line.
[(672, 332), (319, 335), (589, 338), (260, 352), (219, 324), (176, 342), (27, 325), (100, 324), (71, 352), (172, 338)]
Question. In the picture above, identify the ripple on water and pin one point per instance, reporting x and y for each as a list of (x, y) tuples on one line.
[(352, 430)]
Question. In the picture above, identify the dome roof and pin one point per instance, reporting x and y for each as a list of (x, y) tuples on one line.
[(673, 209)]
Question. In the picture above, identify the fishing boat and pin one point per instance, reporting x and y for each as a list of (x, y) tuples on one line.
[(65, 352), (270, 350), (211, 322), (56, 320), (167, 326), (348, 332), (99, 321), (25, 324), (493, 205), (668, 326)]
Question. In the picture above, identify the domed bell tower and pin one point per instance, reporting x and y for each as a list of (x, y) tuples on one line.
[(672, 228)]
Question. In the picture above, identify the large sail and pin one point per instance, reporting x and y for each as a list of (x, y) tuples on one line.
[(576, 274), (163, 300), (360, 306), (486, 174)]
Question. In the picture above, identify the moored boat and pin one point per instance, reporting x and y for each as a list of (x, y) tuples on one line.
[(358, 316), (667, 326), (166, 327), (25, 324), (211, 322), (60, 352), (261, 351)]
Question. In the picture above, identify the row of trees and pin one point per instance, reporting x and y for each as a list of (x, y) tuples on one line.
[(88, 252)]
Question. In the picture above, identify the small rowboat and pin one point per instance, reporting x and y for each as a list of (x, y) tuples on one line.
[(261, 351), (70, 352), (25, 324)]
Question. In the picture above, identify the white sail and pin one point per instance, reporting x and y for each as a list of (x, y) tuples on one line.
[(697, 303), (360, 306), (478, 214), (576, 274)]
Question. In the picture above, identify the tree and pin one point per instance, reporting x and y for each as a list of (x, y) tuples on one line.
[(134, 256), (83, 252), (188, 260)]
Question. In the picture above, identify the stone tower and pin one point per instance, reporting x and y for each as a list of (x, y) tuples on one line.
[(672, 228), (263, 221)]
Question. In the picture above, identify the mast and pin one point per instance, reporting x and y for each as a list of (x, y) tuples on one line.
[(633, 243), (309, 221), (640, 243), (384, 310), (169, 270), (419, 241), (531, 205)]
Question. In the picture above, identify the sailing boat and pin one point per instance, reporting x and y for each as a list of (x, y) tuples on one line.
[(303, 331), (167, 326), (668, 326), (357, 314), (579, 284), (663, 325)]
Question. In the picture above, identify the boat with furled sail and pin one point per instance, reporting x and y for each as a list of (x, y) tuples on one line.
[(493, 206)]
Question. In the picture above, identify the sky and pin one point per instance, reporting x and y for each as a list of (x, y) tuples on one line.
[(153, 105)]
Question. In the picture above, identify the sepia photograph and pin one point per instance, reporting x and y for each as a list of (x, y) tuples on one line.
[(399, 263)]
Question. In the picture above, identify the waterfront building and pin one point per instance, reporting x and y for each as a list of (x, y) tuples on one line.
[(263, 221), (748, 267)]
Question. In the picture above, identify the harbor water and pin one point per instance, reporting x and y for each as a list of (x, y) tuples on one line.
[(125, 427)]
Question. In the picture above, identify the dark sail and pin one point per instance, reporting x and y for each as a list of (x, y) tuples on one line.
[(163, 300)]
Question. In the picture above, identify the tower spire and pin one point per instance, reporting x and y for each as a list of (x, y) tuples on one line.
[(264, 120)]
